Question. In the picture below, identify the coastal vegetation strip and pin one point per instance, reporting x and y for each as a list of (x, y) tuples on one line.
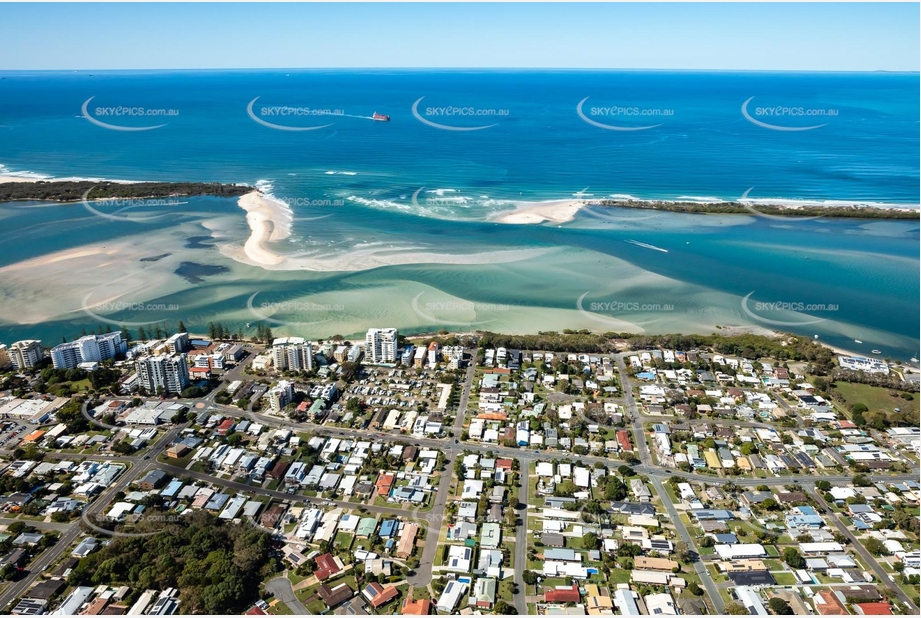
[(74, 191), (783, 210)]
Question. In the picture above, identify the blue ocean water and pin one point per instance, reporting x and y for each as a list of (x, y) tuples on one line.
[(504, 137), (540, 149)]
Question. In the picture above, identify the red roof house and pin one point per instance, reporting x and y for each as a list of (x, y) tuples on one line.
[(563, 594), (327, 566)]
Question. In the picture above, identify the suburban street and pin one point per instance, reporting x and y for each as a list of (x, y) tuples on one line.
[(433, 519)]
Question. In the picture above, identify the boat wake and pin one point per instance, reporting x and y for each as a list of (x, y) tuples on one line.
[(645, 246)]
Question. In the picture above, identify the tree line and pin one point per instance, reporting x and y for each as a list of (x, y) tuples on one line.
[(73, 191), (729, 208)]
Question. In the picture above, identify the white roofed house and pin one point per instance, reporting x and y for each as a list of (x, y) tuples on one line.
[(640, 491), (582, 477)]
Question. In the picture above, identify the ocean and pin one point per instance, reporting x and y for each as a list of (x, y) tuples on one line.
[(400, 215)]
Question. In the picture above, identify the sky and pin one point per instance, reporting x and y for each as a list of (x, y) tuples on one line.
[(694, 36)]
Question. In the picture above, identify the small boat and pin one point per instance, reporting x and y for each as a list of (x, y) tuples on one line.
[(876, 351), (815, 336), (247, 325), (380, 117), (857, 341), (914, 360)]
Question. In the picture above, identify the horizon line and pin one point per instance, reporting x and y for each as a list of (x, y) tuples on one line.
[(485, 69)]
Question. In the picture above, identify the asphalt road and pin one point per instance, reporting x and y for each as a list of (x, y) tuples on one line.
[(684, 535), (881, 574), (281, 588), (38, 566), (422, 576), (521, 538)]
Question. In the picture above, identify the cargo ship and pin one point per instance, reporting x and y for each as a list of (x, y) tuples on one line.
[(380, 117)]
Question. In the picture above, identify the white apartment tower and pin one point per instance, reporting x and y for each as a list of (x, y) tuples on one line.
[(178, 343), (281, 395), (88, 349), (292, 353), (381, 345), (26, 354), (164, 374)]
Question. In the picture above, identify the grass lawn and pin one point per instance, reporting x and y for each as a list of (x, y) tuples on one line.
[(201, 467), (784, 579), (505, 590), (280, 609), (911, 591), (421, 592), (295, 579), (344, 540), (671, 493), (715, 573), (317, 606), (773, 565), (551, 582), (532, 482), (875, 398), (772, 551), (619, 576)]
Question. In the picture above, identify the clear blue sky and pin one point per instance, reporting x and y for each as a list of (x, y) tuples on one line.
[(763, 36)]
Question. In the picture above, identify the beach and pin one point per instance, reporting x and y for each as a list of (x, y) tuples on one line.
[(553, 211), (269, 220)]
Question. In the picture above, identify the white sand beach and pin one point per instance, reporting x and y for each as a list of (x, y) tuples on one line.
[(553, 211), (269, 220)]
